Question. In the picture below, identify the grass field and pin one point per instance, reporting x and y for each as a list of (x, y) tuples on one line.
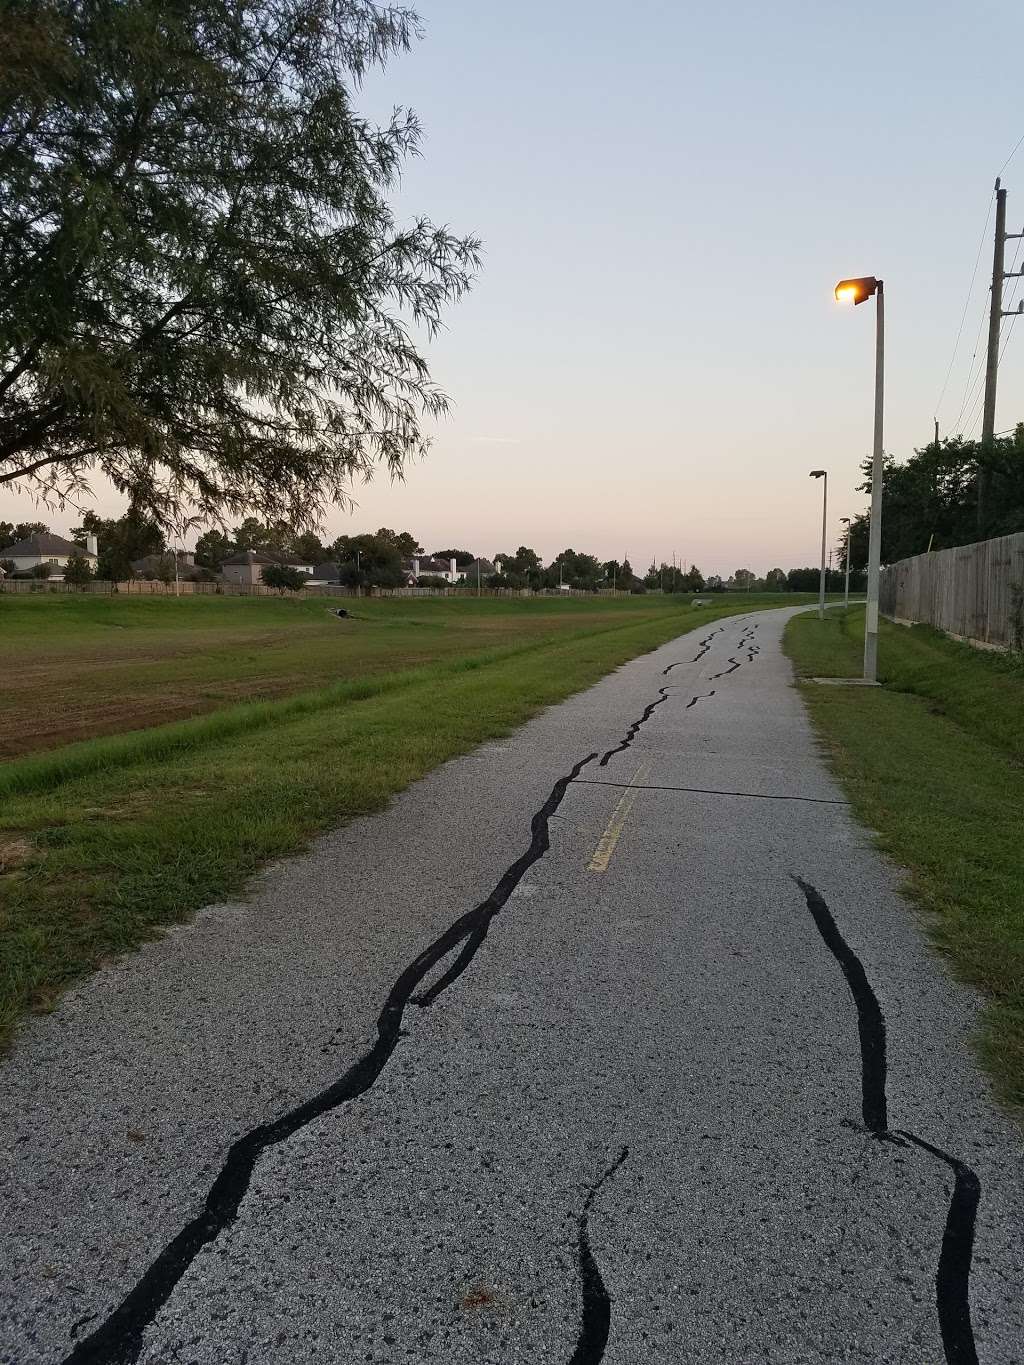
[(137, 825), (934, 761), (78, 666)]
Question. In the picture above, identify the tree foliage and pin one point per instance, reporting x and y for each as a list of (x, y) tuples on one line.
[(204, 292), (932, 498), (120, 540), (13, 531), (283, 576), (77, 570)]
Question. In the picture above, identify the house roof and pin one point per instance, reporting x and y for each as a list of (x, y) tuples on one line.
[(258, 557), (42, 545)]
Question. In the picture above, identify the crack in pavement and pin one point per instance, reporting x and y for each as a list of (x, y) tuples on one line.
[(952, 1279), (710, 791), (725, 672), (597, 1306), (634, 729), (119, 1338), (704, 696)]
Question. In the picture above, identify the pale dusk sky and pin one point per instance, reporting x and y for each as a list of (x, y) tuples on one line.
[(652, 361)]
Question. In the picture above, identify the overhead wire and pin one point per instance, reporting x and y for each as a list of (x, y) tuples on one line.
[(967, 304)]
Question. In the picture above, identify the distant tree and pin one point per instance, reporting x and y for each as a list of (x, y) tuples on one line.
[(11, 532), (431, 580), (308, 547), (43, 570), (775, 580), (8, 566), (461, 557), (283, 577), (803, 580), (522, 569), (576, 570), (744, 579), (212, 548), (374, 560), (404, 542), (78, 570), (206, 295), (253, 534), (692, 580), (714, 583), (120, 540)]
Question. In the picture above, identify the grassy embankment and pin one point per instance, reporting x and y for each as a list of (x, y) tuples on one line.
[(105, 839), (934, 761)]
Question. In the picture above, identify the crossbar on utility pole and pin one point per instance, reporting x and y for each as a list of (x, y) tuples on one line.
[(988, 422)]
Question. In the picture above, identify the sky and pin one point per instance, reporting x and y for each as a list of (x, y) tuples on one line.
[(652, 361)]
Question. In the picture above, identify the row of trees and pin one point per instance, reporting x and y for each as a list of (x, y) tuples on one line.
[(932, 499)]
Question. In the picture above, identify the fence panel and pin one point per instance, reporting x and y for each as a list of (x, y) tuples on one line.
[(973, 591)]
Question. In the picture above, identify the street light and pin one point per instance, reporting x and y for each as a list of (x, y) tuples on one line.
[(846, 595), (857, 291), (822, 474)]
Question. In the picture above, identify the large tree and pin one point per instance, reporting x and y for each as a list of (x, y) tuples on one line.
[(204, 293)]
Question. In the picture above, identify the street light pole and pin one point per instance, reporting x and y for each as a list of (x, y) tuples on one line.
[(857, 291), (846, 594), (822, 474), (875, 531)]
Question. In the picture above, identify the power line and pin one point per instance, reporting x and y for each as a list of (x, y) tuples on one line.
[(967, 304), (1020, 143), (972, 379)]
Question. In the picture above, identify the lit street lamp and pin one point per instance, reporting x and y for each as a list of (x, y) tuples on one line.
[(846, 595), (856, 291), (822, 474)]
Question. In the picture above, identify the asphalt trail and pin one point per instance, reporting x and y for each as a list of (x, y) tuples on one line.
[(197, 1189)]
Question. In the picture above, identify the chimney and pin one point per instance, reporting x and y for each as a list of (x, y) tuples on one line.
[(415, 566), (454, 570), (91, 545)]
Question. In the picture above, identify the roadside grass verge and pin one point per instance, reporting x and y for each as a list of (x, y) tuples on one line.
[(121, 836), (934, 762)]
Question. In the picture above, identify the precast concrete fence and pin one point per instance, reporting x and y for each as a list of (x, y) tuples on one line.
[(975, 592)]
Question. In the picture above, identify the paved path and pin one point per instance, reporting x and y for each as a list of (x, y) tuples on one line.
[(673, 1078)]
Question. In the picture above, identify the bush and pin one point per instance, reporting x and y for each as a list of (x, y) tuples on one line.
[(77, 571), (283, 577)]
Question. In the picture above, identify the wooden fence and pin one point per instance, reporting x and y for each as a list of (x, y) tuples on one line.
[(972, 591), (141, 587)]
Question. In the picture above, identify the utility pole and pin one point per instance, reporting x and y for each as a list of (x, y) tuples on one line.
[(936, 433), (988, 421)]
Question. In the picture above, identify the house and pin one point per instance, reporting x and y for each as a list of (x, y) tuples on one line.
[(322, 574), (422, 565), (156, 566), (247, 566), (47, 548), (479, 570)]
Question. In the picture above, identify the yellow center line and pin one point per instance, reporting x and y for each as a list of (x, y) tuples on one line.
[(606, 846)]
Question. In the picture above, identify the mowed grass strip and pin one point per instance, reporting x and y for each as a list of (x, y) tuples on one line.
[(75, 666), (934, 762), (104, 849)]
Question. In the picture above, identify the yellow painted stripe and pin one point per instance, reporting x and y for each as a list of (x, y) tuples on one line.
[(606, 846)]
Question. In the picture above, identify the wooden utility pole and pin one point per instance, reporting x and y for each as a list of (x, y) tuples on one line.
[(988, 421)]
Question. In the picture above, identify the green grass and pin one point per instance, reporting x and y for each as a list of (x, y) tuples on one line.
[(934, 762), (105, 840), (75, 667)]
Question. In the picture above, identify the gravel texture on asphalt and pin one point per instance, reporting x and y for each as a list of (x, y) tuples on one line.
[(612, 1041)]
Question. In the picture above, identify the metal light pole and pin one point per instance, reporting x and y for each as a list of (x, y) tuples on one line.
[(846, 594), (822, 474), (856, 291)]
